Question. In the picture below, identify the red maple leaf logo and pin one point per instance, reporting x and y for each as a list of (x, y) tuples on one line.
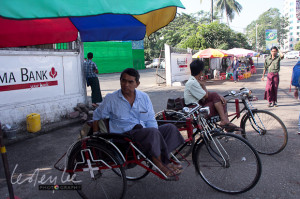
[(53, 73)]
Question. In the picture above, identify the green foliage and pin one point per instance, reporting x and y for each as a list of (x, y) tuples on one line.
[(297, 46), (270, 19), (193, 31), (214, 35)]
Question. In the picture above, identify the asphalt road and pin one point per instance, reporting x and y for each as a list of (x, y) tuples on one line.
[(280, 178)]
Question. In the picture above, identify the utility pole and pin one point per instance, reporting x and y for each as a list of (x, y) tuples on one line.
[(256, 37), (212, 11)]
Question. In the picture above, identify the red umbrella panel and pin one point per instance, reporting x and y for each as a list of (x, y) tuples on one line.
[(38, 31)]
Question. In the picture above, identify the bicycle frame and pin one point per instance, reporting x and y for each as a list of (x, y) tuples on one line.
[(88, 156), (206, 137), (248, 108)]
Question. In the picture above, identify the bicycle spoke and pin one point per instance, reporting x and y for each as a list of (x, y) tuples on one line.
[(273, 134), (237, 173)]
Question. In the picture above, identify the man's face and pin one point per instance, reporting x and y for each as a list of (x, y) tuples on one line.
[(128, 84), (274, 52)]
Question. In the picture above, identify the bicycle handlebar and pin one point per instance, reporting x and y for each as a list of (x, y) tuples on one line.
[(243, 91), (188, 111)]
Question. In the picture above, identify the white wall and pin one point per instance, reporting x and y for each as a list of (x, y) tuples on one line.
[(177, 66), (45, 82)]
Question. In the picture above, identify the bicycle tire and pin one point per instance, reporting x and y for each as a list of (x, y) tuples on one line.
[(112, 180), (188, 147), (274, 136), (239, 173)]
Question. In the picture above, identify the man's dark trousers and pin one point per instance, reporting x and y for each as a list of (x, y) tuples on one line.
[(96, 92)]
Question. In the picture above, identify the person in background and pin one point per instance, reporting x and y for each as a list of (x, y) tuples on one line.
[(92, 80), (272, 65), (235, 65), (251, 63)]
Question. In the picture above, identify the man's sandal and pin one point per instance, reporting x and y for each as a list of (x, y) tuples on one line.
[(175, 166), (172, 174), (230, 127)]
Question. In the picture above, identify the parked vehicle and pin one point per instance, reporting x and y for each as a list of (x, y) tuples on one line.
[(292, 55), (155, 62)]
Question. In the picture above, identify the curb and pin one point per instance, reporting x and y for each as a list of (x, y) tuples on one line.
[(24, 135)]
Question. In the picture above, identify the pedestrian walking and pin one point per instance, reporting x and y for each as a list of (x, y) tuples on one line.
[(92, 80), (272, 65), (235, 65)]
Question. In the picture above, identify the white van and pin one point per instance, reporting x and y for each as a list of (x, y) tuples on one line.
[(292, 55)]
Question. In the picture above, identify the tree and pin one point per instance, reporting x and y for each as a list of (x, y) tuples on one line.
[(211, 10), (230, 7), (214, 35), (193, 31), (180, 28), (270, 19), (297, 46)]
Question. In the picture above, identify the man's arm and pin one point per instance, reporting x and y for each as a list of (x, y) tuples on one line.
[(204, 88), (280, 54), (197, 90), (151, 121), (263, 75), (101, 112), (95, 69)]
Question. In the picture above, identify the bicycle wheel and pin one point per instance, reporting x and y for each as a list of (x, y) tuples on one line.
[(106, 182), (173, 115), (273, 137), (227, 163)]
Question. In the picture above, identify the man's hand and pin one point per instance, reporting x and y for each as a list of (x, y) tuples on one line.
[(263, 75)]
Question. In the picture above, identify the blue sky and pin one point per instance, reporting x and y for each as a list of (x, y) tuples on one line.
[(250, 12)]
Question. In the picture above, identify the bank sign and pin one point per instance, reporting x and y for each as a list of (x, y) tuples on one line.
[(27, 78), (30, 77)]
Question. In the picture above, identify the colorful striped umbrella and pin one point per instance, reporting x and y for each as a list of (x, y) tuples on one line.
[(241, 52), (212, 53), (196, 54), (33, 22)]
